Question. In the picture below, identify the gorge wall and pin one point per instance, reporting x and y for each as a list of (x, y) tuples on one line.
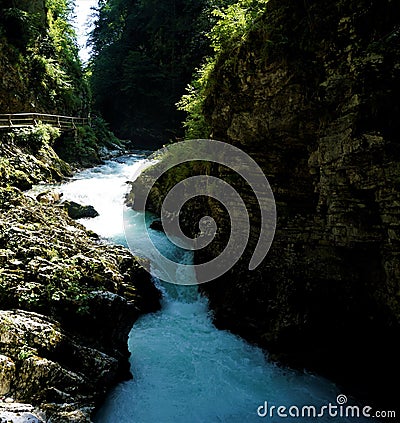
[(312, 94)]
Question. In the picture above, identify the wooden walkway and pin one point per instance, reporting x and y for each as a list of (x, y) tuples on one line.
[(23, 120)]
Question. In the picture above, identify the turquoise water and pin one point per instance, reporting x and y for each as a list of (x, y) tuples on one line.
[(184, 369)]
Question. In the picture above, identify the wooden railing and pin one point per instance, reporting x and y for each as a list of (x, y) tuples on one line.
[(22, 120)]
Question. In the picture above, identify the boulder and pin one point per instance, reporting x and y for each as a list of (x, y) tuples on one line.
[(156, 225), (49, 197), (114, 151), (79, 211), (53, 366), (67, 305)]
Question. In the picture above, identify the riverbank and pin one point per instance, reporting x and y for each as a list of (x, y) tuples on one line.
[(67, 300)]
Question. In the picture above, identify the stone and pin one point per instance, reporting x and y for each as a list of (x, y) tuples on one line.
[(320, 116), (49, 197), (7, 374), (67, 301), (113, 152), (156, 225), (79, 211), (67, 306)]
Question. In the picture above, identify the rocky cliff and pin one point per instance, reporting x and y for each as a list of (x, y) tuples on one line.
[(319, 112), (67, 300), (312, 93)]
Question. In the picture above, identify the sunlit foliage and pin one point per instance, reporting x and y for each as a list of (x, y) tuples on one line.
[(232, 25), (40, 59)]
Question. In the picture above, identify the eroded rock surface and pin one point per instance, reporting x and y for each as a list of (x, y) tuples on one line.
[(312, 94), (67, 301)]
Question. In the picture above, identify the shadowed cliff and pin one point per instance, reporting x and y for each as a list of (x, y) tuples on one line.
[(311, 92)]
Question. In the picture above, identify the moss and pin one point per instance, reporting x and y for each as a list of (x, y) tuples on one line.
[(27, 157), (81, 147), (34, 138)]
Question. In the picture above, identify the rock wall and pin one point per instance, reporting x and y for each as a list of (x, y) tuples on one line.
[(67, 301), (27, 157), (312, 94), (318, 109)]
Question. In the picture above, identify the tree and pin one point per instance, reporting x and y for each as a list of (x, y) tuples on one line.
[(145, 52), (39, 55)]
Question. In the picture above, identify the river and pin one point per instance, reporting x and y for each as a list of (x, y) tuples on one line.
[(184, 369)]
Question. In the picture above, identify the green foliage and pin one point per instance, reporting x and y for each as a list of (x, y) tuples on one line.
[(192, 103), (154, 46), (81, 146), (234, 22), (78, 147), (39, 55), (104, 137), (26, 352), (19, 26), (232, 26), (18, 169), (34, 138)]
